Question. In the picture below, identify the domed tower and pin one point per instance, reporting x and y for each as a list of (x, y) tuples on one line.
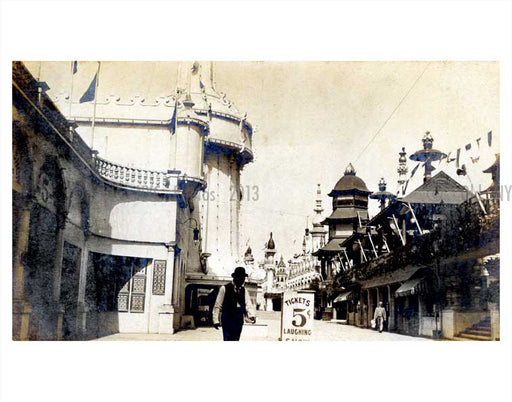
[(270, 251), (270, 269), (318, 232), (227, 150), (349, 204)]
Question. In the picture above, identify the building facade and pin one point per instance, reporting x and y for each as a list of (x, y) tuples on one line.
[(128, 221), (432, 259)]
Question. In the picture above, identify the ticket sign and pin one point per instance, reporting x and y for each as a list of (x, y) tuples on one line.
[(297, 316)]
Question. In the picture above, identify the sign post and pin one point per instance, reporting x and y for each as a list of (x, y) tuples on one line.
[(297, 314)]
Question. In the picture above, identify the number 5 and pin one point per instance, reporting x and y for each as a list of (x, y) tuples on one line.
[(303, 319)]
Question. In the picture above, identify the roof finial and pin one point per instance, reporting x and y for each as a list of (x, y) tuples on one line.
[(350, 170)]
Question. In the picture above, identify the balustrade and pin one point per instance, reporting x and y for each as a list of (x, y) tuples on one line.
[(136, 178)]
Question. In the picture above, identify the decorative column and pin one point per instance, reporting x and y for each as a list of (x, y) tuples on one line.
[(58, 308), (166, 315), (369, 309), (21, 309), (391, 322)]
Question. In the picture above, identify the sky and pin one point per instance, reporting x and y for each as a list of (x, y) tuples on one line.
[(314, 118)]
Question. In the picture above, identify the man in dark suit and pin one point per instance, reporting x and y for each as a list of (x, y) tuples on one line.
[(233, 304)]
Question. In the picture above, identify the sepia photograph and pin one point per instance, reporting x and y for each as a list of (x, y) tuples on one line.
[(255, 201), (147, 205)]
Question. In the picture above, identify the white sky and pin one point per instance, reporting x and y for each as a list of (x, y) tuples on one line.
[(313, 118)]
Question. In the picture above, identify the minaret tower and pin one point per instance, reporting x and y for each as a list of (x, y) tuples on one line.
[(270, 269), (402, 172), (318, 233)]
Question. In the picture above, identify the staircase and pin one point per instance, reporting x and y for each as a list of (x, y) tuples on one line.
[(478, 332)]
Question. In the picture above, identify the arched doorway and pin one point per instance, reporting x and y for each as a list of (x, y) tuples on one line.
[(46, 219)]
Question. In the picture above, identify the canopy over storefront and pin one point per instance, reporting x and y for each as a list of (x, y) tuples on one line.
[(343, 297), (409, 287)]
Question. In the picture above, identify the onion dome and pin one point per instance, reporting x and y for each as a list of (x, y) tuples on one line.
[(270, 244), (349, 182)]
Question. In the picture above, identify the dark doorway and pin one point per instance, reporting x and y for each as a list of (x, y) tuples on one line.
[(39, 275), (200, 300), (69, 289)]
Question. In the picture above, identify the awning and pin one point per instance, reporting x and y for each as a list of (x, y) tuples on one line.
[(342, 297), (399, 275), (408, 288)]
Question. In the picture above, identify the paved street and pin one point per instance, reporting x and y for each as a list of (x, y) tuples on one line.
[(323, 331)]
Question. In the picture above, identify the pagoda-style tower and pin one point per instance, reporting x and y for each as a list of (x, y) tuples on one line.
[(427, 155), (382, 195), (350, 207), (318, 232)]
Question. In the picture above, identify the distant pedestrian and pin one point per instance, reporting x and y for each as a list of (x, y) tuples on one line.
[(379, 316), (233, 304)]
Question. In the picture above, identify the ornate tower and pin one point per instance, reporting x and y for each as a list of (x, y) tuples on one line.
[(270, 269), (382, 195), (227, 149), (318, 232), (281, 274), (427, 155), (402, 172), (349, 204)]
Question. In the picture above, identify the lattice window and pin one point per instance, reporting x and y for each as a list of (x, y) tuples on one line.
[(159, 267), (137, 304), (131, 296), (122, 302)]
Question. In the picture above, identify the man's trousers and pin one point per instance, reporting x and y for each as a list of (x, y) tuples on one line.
[(232, 325)]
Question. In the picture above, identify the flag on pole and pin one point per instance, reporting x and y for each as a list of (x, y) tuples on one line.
[(489, 138), (173, 118), (74, 67), (90, 94), (414, 170), (478, 143)]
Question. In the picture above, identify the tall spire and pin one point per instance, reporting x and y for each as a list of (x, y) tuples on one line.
[(318, 208), (402, 171)]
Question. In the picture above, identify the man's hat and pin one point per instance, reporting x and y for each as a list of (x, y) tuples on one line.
[(239, 271)]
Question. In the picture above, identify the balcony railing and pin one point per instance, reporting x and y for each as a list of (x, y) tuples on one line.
[(470, 230), (142, 179)]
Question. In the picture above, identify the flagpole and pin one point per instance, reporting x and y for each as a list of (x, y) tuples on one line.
[(94, 108), (71, 89)]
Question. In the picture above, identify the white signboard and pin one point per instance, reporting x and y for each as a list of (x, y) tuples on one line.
[(297, 316)]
